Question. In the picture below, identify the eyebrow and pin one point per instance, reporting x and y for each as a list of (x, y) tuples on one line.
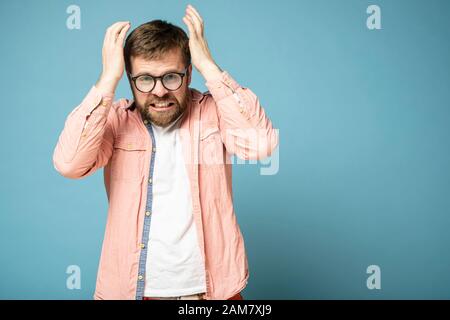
[(149, 74)]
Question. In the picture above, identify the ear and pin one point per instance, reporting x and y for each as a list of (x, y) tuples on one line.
[(130, 82), (189, 75)]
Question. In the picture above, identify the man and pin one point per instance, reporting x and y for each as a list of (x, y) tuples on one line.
[(171, 230)]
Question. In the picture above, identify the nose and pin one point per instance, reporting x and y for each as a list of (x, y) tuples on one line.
[(159, 89)]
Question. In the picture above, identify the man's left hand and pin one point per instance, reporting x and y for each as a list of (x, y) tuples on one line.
[(200, 54)]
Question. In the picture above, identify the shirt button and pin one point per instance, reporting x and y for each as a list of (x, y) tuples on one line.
[(145, 122), (140, 277), (150, 180), (142, 246), (241, 110), (147, 213), (154, 149)]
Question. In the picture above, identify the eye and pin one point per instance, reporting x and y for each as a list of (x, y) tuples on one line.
[(171, 77), (145, 78)]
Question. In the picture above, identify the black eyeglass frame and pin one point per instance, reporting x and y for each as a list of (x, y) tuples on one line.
[(155, 79)]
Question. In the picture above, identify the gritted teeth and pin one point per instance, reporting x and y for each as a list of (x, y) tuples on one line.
[(161, 104)]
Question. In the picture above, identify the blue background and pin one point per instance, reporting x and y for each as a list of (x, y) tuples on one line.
[(364, 156)]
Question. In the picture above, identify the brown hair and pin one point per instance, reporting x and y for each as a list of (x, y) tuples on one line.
[(153, 39)]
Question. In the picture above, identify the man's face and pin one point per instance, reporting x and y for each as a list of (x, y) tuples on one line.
[(149, 104)]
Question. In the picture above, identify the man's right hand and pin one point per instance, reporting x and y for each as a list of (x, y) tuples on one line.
[(113, 60)]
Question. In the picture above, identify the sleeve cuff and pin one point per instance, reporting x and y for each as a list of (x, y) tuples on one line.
[(222, 87), (95, 97)]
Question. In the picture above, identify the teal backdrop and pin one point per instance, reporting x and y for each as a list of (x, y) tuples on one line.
[(363, 117)]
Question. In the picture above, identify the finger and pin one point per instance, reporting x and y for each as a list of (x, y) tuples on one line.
[(195, 18), (117, 29), (111, 27), (196, 13), (108, 33), (114, 30), (190, 26), (123, 32), (195, 22)]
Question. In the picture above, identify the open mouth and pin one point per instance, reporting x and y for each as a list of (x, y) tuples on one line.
[(162, 106)]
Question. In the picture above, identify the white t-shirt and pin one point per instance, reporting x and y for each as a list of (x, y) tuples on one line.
[(174, 263)]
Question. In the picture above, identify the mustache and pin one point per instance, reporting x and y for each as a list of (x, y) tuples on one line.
[(167, 100)]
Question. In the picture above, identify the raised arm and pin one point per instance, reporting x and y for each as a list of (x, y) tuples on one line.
[(86, 141), (245, 129)]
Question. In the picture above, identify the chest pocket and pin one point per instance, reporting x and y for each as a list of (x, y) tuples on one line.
[(211, 146), (128, 157)]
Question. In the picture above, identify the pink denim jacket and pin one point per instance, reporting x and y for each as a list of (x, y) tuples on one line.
[(100, 133)]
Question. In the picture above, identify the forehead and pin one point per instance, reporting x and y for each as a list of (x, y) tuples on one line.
[(169, 61)]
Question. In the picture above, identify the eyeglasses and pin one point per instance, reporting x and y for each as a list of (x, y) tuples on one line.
[(172, 81)]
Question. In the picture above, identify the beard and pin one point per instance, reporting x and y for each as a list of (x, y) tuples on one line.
[(166, 117)]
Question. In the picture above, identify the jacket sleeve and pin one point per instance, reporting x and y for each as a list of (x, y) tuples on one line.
[(86, 141), (245, 129)]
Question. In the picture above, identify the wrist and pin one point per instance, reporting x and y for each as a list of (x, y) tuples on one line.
[(107, 85), (211, 71)]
